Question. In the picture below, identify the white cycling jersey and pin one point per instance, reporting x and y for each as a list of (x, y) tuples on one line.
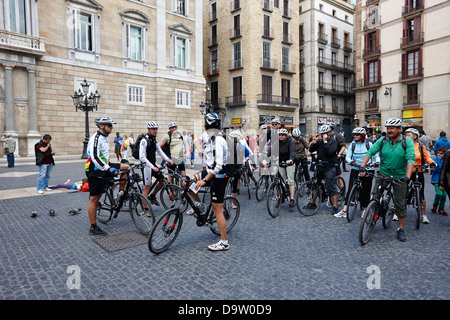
[(98, 152)]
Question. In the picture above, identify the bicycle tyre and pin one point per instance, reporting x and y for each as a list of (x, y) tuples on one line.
[(171, 197), (305, 194), (261, 188), (388, 217), (165, 231), (105, 207), (418, 207), (368, 222), (247, 184), (274, 196), (115, 195), (353, 202), (299, 178), (141, 221), (230, 212), (341, 185)]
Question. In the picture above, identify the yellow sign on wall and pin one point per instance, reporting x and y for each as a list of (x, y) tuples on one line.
[(417, 113)]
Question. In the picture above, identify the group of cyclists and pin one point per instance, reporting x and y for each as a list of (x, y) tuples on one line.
[(396, 155)]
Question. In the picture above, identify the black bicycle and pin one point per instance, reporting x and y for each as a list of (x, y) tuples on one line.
[(378, 208), (245, 179), (110, 203), (299, 176), (354, 197), (310, 194), (264, 181), (414, 196), (168, 226), (278, 192)]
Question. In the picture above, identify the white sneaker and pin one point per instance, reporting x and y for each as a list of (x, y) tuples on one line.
[(362, 214), (40, 191), (341, 214), (219, 246), (425, 219), (48, 189), (395, 218)]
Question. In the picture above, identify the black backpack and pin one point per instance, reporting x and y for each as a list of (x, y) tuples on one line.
[(231, 170), (137, 145)]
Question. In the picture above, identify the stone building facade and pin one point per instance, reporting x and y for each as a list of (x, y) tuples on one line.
[(143, 56)]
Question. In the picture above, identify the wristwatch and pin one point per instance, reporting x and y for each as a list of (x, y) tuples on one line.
[(204, 179)]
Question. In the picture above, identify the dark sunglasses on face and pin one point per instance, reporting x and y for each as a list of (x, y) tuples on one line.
[(109, 125), (356, 134)]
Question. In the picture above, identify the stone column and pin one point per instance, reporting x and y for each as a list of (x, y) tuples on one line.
[(33, 135), (10, 120)]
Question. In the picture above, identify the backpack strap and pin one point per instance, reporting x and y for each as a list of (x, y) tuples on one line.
[(383, 142)]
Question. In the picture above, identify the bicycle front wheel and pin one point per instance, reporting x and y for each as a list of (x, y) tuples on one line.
[(105, 208), (165, 231), (353, 201), (274, 196), (388, 217), (418, 207), (261, 188), (142, 220), (341, 185), (308, 198), (231, 212), (171, 196), (368, 222)]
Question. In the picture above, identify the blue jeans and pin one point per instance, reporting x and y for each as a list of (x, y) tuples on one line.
[(44, 176), (10, 158)]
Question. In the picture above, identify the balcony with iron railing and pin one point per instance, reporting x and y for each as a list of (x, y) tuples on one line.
[(213, 70), (277, 101), (412, 39), (269, 64), (371, 106), (370, 2), (372, 52), (236, 64), (411, 101), (267, 5), (334, 89), (368, 83), (235, 5), (413, 9), (322, 38), (235, 33), (411, 74), (348, 46), (335, 43), (288, 68), (287, 39), (369, 25), (235, 101), (18, 43), (335, 65)]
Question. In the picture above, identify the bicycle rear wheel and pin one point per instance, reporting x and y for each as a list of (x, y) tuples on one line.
[(247, 184), (171, 196), (353, 202), (341, 185), (418, 207), (261, 188), (308, 198), (368, 222), (142, 222), (231, 212), (274, 196), (105, 208), (165, 231)]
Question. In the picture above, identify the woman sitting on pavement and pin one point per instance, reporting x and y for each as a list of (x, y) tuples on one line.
[(72, 186)]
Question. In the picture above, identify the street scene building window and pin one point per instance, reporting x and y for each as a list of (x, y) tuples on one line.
[(182, 99), (17, 16), (135, 95)]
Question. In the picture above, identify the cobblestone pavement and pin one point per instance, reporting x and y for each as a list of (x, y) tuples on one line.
[(287, 258)]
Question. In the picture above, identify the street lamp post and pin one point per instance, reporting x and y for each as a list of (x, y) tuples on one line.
[(86, 102)]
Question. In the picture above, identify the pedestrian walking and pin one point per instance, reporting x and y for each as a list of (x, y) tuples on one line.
[(44, 159), (444, 175), (118, 145), (9, 148), (125, 147)]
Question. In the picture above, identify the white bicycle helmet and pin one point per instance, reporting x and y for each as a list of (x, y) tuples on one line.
[(172, 124), (235, 134), (359, 130), (296, 132), (213, 120), (263, 127), (393, 122), (324, 129), (152, 125), (413, 131), (104, 120), (283, 131), (276, 120)]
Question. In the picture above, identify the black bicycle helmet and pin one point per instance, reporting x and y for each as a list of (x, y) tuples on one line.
[(212, 120)]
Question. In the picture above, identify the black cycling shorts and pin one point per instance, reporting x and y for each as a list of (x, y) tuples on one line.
[(217, 186), (98, 180)]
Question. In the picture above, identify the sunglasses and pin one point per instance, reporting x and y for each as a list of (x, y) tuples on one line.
[(109, 125), (356, 134)]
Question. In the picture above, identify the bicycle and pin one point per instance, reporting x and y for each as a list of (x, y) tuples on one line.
[(299, 176), (264, 181), (381, 207), (245, 179), (277, 192), (414, 196), (168, 226), (109, 205), (310, 194), (355, 195)]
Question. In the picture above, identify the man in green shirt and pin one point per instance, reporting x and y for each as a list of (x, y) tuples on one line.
[(397, 160)]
